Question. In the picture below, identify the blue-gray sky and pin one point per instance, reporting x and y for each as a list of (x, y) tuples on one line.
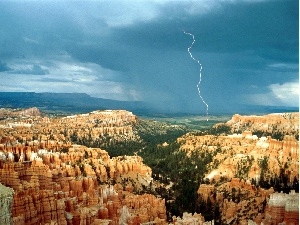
[(137, 50)]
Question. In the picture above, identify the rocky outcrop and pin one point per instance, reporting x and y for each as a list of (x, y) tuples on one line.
[(240, 155), (287, 123), (55, 181), (19, 113), (65, 186), (282, 208), (237, 200), (30, 112), (189, 218), (58, 182), (95, 127), (243, 161)]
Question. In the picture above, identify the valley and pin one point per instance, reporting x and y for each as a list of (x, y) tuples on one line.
[(113, 167)]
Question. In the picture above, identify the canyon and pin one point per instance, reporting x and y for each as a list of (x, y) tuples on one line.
[(49, 174)]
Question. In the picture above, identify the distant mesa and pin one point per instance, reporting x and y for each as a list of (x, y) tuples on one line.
[(83, 103), (64, 102)]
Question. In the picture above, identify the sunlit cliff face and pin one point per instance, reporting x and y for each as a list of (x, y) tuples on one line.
[(70, 183), (52, 183)]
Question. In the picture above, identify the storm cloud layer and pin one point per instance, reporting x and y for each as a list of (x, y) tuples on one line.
[(137, 50)]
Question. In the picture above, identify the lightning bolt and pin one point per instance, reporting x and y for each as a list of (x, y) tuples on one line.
[(200, 71)]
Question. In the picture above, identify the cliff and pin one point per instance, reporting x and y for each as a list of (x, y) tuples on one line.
[(96, 126), (282, 208), (245, 169), (286, 123), (241, 155), (70, 187), (55, 180)]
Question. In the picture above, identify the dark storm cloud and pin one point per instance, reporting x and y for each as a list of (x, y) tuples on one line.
[(4, 67), (53, 80), (108, 58), (239, 26), (245, 47), (35, 29), (33, 70), (245, 38)]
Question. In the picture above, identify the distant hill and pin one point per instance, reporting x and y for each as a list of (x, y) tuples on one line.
[(82, 103), (264, 109), (63, 102)]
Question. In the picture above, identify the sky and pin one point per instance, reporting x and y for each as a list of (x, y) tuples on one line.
[(138, 51)]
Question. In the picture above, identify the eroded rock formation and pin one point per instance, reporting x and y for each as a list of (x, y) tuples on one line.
[(242, 162), (240, 155), (272, 123), (58, 182), (65, 186)]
